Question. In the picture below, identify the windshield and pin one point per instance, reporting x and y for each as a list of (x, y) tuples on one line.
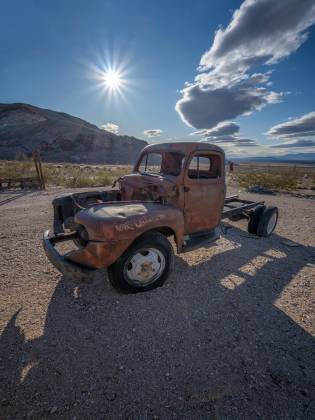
[(167, 163)]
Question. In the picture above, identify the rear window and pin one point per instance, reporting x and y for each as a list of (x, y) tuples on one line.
[(166, 163), (205, 166)]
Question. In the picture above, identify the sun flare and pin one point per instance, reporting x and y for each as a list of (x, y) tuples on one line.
[(112, 79)]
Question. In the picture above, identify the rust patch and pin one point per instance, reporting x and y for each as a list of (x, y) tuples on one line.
[(143, 221)]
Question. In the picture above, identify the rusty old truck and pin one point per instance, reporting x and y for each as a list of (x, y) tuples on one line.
[(176, 190)]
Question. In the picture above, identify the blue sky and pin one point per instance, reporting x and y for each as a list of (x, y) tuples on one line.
[(49, 52)]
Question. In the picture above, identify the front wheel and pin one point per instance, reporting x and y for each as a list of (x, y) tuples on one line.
[(145, 265)]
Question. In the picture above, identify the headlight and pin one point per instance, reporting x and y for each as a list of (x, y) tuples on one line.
[(83, 235)]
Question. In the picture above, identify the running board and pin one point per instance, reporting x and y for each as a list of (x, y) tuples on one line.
[(199, 239)]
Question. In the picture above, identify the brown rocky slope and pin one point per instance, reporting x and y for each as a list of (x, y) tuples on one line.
[(61, 137)]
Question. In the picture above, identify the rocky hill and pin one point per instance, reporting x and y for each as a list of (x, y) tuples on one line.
[(61, 137)]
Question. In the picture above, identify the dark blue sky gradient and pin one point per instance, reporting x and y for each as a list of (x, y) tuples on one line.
[(47, 48)]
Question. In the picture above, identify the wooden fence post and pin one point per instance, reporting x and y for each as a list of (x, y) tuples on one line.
[(39, 170)]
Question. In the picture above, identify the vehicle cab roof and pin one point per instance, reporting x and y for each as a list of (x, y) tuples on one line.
[(183, 147)]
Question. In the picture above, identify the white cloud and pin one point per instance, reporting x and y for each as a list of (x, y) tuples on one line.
[(112, 128), (299, 127), (261, 32), (309, 143), (224, 128), (225, 134), (203, 106), (296, 133), (153, 132), (230, 141)]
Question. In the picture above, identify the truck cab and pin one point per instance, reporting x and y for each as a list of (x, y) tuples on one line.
[(175, 190), (189, 176)]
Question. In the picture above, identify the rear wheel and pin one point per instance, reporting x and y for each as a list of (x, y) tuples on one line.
[(145, 265), (254, 217), (268, 221)]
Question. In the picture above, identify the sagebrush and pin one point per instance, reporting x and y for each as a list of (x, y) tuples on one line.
[(273, 177)]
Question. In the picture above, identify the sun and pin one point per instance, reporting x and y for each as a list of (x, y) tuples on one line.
[(112, 79)]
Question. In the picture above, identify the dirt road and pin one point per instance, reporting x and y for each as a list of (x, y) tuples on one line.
[(230, 336)]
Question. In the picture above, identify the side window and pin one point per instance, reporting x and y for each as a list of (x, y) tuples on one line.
[(205, 166)]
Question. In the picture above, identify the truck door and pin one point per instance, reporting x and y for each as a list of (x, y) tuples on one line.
[(204, 189)]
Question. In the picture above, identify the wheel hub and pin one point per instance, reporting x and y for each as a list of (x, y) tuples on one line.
[(145, 266)]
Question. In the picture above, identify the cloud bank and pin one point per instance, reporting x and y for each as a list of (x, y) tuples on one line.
[(296, 143), (112, 128), (290, 133), (153, 132), (225, 134), (298, 127), (261, 32), (222, 129)]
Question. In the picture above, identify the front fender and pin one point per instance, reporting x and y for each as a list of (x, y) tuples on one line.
[(113, 227)]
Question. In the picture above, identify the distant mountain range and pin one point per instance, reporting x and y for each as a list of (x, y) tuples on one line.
[(308, 158), (61, 137)]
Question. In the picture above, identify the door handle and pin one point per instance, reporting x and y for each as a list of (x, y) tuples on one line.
[(186, 189)]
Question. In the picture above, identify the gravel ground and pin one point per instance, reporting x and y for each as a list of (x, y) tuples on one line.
[(229, 336)]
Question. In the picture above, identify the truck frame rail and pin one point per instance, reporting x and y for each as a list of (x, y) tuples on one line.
[(234, 206)]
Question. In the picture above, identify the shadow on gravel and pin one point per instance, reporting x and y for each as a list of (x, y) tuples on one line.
[(14, 196), (209, 344)]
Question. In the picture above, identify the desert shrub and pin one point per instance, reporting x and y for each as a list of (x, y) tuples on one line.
[(266, 180), (65, 175), (17, 169), (278, 178), (76, 176)]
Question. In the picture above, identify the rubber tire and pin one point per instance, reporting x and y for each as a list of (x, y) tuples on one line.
[(264, 219), (152, 239), (254, 217)]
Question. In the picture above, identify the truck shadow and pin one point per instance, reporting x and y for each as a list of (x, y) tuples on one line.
[(214, 342)]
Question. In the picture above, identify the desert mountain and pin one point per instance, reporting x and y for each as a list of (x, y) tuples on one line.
[(61, 137)]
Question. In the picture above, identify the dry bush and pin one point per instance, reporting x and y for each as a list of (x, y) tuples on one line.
[(17, 169), (273, 177), (276, 177), (65, 175), (82, 175)]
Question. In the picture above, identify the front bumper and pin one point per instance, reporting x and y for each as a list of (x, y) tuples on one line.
[(66, 267)]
